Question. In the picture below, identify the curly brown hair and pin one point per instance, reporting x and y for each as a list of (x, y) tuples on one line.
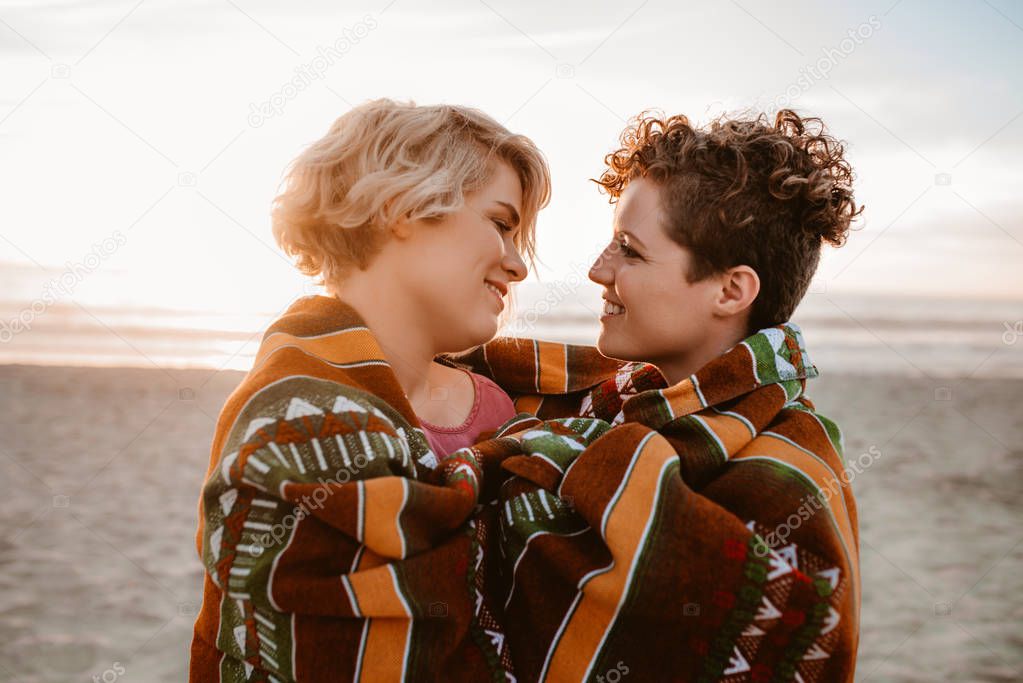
[(741, 191)]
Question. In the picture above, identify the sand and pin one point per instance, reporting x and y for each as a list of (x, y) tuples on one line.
[(100, 471)]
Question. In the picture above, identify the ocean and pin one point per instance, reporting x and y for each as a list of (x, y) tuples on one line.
[(845, 332)]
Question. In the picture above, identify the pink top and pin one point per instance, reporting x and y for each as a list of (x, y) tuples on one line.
[(491, 408)]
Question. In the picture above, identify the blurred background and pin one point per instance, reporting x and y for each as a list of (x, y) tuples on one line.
[(142, 143)]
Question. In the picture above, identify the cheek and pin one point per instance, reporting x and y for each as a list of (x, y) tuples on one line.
[(470, 251), (447, 279), (450, 261), (643, 291), (660, 307)]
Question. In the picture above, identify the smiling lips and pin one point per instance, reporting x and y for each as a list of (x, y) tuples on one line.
[(612, 309), (499, 289)]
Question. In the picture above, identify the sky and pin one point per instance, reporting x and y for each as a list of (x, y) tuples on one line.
[(147, 139)]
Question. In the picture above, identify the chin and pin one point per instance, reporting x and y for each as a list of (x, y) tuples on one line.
[(461, 325), (483, 330), (609, 346)]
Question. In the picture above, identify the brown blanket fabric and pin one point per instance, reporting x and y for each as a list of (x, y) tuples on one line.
[(710, 536)]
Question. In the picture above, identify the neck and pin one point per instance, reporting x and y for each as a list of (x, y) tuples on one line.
[(397, 330), (681, 366)]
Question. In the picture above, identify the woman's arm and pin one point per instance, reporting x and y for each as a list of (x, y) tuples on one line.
[(328, 553)]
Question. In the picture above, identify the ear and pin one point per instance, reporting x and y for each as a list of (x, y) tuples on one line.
[(401, 228), (739, 287)]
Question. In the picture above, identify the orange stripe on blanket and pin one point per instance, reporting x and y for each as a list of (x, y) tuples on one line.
[(553, 367), (822, 477), (528, 404), (386, 649), (730, 431), (346, 346), (384, 498), (384, 653), (377, 594), (683, 398), (626, 532)]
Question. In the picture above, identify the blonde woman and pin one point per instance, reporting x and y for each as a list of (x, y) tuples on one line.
[(335, 545)]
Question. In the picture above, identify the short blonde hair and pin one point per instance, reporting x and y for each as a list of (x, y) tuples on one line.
[(386, 160)]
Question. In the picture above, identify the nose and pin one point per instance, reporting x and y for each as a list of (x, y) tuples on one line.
[(513, 264), (601, 271)]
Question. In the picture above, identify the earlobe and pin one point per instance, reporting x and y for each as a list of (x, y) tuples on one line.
[(401, 228)]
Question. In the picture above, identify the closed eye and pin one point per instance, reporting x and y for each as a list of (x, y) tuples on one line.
[(502, 226)]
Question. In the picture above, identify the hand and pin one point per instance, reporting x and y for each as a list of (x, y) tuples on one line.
[(549, 449)]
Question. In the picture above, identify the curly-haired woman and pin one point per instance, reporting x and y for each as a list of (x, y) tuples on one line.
[(712, 534), (725, 223)]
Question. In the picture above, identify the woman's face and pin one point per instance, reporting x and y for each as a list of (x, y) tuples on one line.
[(651, 313), (457, 269)]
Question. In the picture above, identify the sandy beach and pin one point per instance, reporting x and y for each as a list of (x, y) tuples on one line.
[(100, 471)]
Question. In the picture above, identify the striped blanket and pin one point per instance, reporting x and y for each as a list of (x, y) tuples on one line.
[(710, 536)]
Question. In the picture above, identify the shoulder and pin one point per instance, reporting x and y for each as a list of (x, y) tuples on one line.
[(828, 427), (489, 391), (487, 384), (297, 398)]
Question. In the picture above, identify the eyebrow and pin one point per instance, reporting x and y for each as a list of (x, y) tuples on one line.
[(514, 214)]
